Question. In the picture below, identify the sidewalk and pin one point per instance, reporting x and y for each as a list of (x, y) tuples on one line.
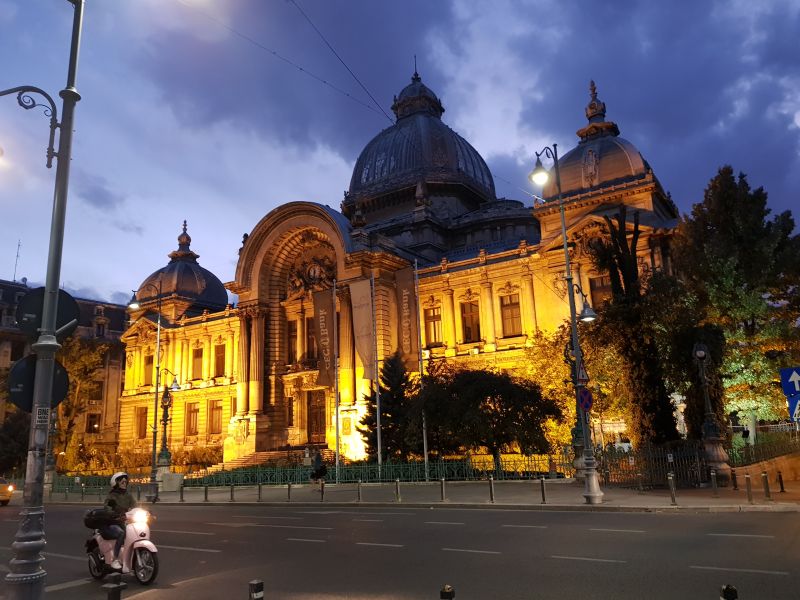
[(560, 494)]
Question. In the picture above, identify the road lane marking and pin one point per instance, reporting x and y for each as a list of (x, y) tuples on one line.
[(305, 540), (470, 551), (442, 523), (66, 585), (266, 517), (383, 545), (585, 558), (526, 526), (368, 520), (619, 530), (743, 535), (732, 570), (381, 514), (67, 556), (234, 525), (291, 526), (183, 532), (188, 548)]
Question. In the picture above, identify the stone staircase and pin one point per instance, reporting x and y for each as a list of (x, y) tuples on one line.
[(270, 458)]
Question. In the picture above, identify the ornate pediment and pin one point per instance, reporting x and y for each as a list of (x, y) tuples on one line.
[(312, 271), (469, 296)]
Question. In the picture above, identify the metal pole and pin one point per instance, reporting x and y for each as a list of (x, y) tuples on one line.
[(544, 492), (289, 492), (443, 490), (714, 487), (592, 492), (232, 499), (765, 483), (671, 482), (780, 482), (748, 486), (153, 467), (259, 492), (377, 377), (205, 493), (491, 489), (336, 375), (358, 490), (180, 489), (419, 344), (733, 479), (26, 578), (397, 490)]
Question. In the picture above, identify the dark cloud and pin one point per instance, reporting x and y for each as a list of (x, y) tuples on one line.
[(96, 190), (128, 227)]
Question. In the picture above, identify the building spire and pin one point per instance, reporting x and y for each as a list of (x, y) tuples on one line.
[(184, 252), (596, 109)]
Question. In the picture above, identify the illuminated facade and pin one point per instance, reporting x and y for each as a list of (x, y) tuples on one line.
[(255, 377)]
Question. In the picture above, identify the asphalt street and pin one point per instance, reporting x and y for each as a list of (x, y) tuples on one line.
[(305, 552)]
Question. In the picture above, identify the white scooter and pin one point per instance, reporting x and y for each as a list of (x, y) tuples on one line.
[(138, 554)]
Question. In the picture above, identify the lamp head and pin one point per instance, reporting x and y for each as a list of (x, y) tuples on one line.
[(587, 314), (700, 351), (539, 175), (175, 386), (134, 303)]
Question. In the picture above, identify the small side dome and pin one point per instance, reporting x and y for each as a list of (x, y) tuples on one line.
[(600, 158), (184, 279)]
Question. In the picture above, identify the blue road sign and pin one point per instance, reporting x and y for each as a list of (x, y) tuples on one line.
[(794, 407), (790, 381)]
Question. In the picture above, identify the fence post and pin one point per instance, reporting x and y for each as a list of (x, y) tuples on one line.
[(205, 493), (289, 491), (714, 483), (322, 490), (728, 592), (259, 491), (733, 480), (491, 489), (397, 490), (358, 489), (671, 482), (765, 483), (180, 489), (443, 491), (780, 481), (749, 487), (544, 493), (256, 590), (232, 499), (448, 593)]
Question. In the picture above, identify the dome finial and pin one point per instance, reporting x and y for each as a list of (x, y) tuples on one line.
[(415, 78), (596, 109), (183, 251)]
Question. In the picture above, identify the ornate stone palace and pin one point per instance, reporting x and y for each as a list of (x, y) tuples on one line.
[(258, 376)]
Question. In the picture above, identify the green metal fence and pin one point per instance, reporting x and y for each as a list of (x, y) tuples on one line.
[(778, 445)]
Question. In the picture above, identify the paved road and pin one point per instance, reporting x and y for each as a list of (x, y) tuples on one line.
[(331, 553)]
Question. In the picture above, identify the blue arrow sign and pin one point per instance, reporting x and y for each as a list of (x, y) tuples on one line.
[(790, 381), (794, 407)]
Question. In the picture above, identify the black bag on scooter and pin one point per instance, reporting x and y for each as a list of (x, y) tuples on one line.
[(97, 518)]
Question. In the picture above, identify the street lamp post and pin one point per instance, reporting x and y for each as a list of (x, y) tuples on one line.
[(592, 492), (164, 456), (716, 456), (134, 305), (26, 578)]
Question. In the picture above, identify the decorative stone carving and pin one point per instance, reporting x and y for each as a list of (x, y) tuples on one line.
[(508, 289), (309, 274), (431, 302), (560, 284), (591, 167), (469, 296)]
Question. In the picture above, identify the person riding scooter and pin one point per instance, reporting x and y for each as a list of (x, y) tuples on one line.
[(120, 501)]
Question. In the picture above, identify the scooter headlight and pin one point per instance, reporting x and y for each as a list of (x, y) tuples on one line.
[(140, 516)]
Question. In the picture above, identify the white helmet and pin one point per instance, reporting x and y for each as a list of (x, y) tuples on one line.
[(117, 476)]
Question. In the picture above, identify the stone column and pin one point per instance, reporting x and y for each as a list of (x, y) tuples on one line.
[(255, 397), (487, 304), (186, 360), (449, 322), (207, 360), (346, 348), (229, 354), (528, 302), (301, 335), (243, 371)]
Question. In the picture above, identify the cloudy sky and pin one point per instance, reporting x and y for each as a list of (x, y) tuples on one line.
[(199, 109)]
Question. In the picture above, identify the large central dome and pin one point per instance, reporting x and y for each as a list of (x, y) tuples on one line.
[(418, 148)]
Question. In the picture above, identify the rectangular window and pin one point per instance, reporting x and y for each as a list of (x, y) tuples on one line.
[(93, 423), (471, 321), (509, 310), (100, 330), (433, 326), (291, 342), (215, 417), (600, 290), (219, 360), (148, 369), (192, 414), (141, 422), (197, 363), (96, 393), (311, 340)]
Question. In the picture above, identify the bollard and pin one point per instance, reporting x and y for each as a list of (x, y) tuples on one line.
[(671, 482), (322, 491), (728, 592), (640, 481), (358, 489), (714, 487), (491, 489), (259, 492), (748, 487), (256, 590), (232, 499), (444, 493), (765, 483), (780, 482), (180, 493), (66, 493), (205, 493), (448, 593), (100, 494), (138, 492), (289, 492), (50, 493), (397, 490), (83, 492), (114, 587), (544, 493), (733, 480)]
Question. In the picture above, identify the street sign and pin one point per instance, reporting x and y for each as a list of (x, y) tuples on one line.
[(31, 306), (585, 399), (20, 383), (794, 407), (790, 381), (583, 376)]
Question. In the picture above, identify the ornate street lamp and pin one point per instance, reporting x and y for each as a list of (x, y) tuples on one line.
[(26, 578), (164, 456), (716, 456), (592, 491)]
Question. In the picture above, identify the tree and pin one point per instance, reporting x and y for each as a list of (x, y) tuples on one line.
[(81, 358), (624, 325), (744, 267), (395, 393)]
